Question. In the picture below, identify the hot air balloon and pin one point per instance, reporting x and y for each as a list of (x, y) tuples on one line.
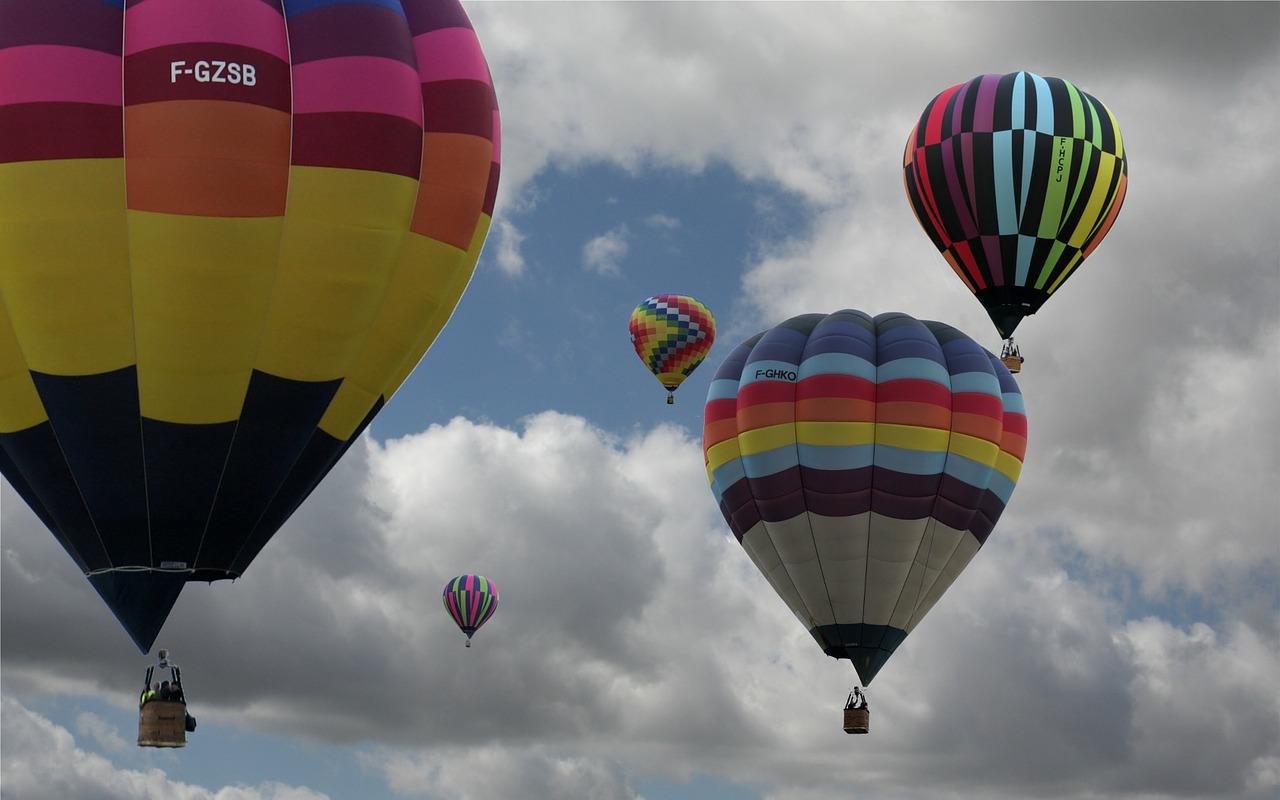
[(1016, 178), (228, 232), (862, 462), (470, 601), (672, 334)]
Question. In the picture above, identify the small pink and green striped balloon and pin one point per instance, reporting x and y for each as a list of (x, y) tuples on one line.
[(470, 600)]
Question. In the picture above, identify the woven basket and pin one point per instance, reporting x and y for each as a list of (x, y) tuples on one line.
[(162, 723), (1014, 363), (857, 720)]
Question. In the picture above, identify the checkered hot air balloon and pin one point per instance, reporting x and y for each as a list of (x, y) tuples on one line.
[(672, 334), (862, 462), (228, 233), (470, 601), (1016, 178)]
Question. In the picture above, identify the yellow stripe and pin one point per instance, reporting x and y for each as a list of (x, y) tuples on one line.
[(912, 437), (722, 453), (770, 437), (1070, 268), (1009, 466), (670, 378), (1097, 198), (836, 433), (979, 450), (20, 406), (1115, 128), (64, 264), (201, 286), (342, 236)]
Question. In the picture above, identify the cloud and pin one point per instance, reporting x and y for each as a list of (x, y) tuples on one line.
[(663, 222), (509, 239), (636, 639), (41, 761), (104, 733), (604, 253)]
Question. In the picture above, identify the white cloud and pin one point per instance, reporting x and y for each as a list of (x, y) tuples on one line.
[(509, 239), (604, 253), (663, 222), (40, 761), (104, 733)]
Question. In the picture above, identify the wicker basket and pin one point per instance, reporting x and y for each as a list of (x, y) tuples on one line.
[(1014, 363), (162, 723), (857, 720)]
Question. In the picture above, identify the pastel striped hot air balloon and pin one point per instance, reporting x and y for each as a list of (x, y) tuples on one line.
[(672, 334), (862, 462), (1016, 178), (470, 601), (228, 232)]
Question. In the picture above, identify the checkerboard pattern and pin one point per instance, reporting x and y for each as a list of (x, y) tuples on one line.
[(1016, 178), (672, 334)]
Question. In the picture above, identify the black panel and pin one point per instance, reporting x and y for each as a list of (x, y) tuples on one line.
[(867, 646), (95, 419), (275, 425), (34, 465), (141, 600), (322, 453), (184, 464)]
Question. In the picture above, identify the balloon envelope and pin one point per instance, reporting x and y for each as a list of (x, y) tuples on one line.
[(470, 601), (227, 235), (1016, 178), (862, 462), (672, 334)]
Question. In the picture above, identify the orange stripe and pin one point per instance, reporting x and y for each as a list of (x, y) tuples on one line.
[(716, 432), (924, 415), (207, 158), (1014, 445), (764, 415), (978, 425), (455, 172)]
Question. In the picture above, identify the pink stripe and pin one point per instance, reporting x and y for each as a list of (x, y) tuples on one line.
[(450, 54), (42, 73), (358, 83), (251, 23), (453, 610)]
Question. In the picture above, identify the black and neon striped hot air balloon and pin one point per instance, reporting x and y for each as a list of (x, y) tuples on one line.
[(1016, 178), (228, 232)]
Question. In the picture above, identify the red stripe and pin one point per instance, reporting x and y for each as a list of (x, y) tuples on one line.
[(933, 128), (834, 385), (352, 140), (458, 107), (977, 403), (910, 390), (716, 410), (766, 392), (149, 78), (962, 251), (46, 131), (1015, 423)]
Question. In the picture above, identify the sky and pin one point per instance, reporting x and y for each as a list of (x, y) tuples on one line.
[(1118, 636)]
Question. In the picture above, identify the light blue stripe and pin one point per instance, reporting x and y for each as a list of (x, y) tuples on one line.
[(1013, 402), (1044, 105), (983, 382), (912, 462), (770, 462), (1028, 163), (921, 369), (722, 389), (749, 372), (1002, 155), (727, 474), (854, 456), (1001, 486), (966, 469), (1026, 244), (837, 364), (1019, 103)]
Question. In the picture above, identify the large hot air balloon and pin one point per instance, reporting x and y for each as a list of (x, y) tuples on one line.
[(672, 334), (862, 462), (470, 601), (228, 232), (1016, 178)]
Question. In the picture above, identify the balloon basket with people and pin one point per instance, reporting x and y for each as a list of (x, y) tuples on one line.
[(857, 715), (1011, 356), (163, 720)]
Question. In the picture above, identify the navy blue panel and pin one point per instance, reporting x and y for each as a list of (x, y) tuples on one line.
[(141, 600), (184, 464), (34, 465), (322, 453), (867, 646), (95, 419), (277, 421)]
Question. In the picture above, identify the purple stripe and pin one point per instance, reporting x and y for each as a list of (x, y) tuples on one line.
[(97, 26), (984, 113), (838, 504), (45, 131), (354, 140), (430, 15), (460, 106), (148, 75), (954, 123), (958, 201), (350, 30), (966, 157)]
